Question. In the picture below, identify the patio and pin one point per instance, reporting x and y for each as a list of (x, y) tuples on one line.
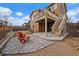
[(49, 36), (36, 43)]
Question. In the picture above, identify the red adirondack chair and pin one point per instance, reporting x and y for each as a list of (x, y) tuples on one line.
[(22, 37)]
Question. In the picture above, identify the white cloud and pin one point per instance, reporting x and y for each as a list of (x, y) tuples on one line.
[(72, 15), (73, 12), (18, 21), (10, 19), (27, 18), (15, 21), (19, 14), (5, 11)]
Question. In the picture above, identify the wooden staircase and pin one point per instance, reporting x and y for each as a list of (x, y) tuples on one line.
[(60, 23), (59, 26)]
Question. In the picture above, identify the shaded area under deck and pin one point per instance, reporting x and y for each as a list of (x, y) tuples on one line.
[(42, 25)]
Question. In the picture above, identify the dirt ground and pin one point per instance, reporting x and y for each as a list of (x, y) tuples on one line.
[(64, 48)]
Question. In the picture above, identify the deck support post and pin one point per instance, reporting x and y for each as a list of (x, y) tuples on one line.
[(45, 25), (34, 26)]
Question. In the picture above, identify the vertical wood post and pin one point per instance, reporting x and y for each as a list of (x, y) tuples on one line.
[(45, 25), (34, 27), (34, 24), (65, 26)]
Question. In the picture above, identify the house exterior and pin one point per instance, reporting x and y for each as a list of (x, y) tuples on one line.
[(51, 19)]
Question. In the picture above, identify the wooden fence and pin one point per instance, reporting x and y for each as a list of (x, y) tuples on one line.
[(4, 30)]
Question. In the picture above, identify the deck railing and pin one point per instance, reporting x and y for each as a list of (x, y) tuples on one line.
[(47, 12), (39, 15)]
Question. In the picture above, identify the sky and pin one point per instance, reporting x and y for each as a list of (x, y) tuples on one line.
[(73, 12), (18, 13)]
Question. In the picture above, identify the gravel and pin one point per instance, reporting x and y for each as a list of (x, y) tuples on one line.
[(36, 43)]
